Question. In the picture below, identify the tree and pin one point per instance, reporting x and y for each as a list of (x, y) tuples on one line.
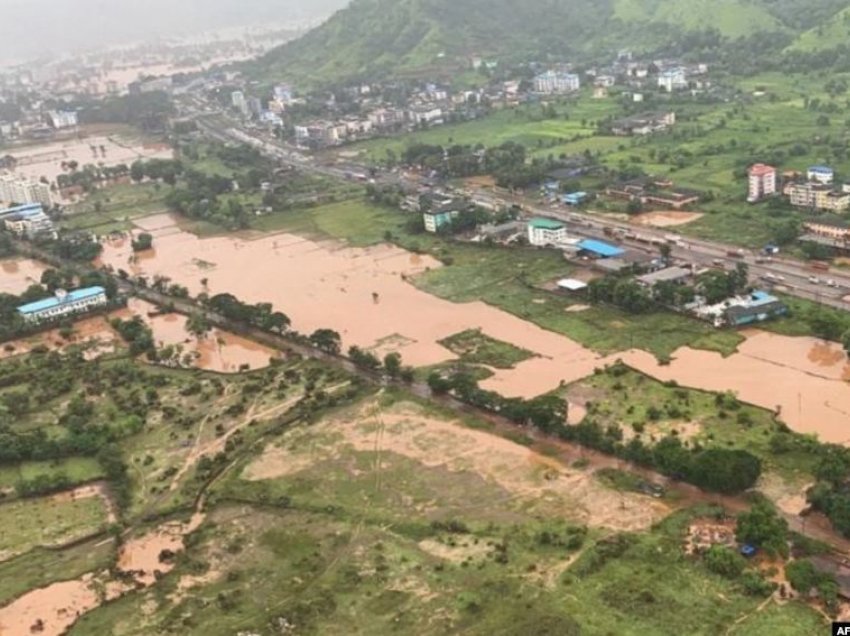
[(327, 340), (143, 241), (392, 364), (725, 561), (197, 325), (137, 171), (802, 576), (845, 340), (724, 470), (764, 528)]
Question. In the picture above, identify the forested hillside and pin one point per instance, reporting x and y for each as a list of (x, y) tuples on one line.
[(379, 37)]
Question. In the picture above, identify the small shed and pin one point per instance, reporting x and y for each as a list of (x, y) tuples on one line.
[(571, 285)]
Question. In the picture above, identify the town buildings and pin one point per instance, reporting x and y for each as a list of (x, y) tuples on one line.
[(762, 182), (542, 232), (64, 303), (817, 196), (556, 82)]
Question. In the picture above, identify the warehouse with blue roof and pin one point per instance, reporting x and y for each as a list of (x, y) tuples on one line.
[(600, 249), (64, 303)]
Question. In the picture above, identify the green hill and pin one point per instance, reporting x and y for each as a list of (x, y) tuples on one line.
[(380, 37), (826, 35), (732, 18)]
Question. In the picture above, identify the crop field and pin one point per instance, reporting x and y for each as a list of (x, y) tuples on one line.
[(77, 469)]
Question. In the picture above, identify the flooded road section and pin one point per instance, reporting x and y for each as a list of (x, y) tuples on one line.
[(363, 294), (17, 274)]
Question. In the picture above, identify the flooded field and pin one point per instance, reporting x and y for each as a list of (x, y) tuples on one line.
[(16, 274), (45, 160), (363, 294)]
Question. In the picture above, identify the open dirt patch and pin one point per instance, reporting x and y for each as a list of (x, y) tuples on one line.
[(667, 218), (407, 430)]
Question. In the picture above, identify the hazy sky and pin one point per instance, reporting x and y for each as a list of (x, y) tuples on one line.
[(28, 27)]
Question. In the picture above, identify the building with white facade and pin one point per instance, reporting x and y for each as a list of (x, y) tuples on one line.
[(543, 232), (16, 190), (672, 80), (60, 119), (64, 304), (762, 182), (556, 82)]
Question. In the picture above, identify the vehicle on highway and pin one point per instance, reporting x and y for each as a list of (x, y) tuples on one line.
[(814, 280)]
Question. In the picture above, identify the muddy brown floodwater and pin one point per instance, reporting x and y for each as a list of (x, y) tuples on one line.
[(16, 274), (330, 285)]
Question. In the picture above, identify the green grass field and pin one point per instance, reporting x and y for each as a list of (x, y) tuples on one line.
[(113, 208), (523, 125), (474, 347), (76, 469), (46, 521)]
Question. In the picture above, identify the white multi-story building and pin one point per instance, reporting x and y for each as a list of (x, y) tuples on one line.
[(63, 304), (556, 82), (238, 101), (542, 232), (16, 190), (762, 182), (672, 80)]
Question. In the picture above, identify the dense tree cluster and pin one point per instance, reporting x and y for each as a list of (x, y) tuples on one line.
[(259, 315)]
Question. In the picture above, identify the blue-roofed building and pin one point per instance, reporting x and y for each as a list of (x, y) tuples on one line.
[(26, 208), (64, 303), (574, 198), (600, 249), (820, 174), (755, 307)]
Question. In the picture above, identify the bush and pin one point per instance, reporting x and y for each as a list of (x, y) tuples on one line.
[(724, 561)]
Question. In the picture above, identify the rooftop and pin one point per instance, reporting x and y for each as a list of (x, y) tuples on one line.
[(59, 300), (545, 224), (666, 274), (600, 248), (761, 169)]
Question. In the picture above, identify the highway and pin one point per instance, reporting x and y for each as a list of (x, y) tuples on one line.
[(781, 274)]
